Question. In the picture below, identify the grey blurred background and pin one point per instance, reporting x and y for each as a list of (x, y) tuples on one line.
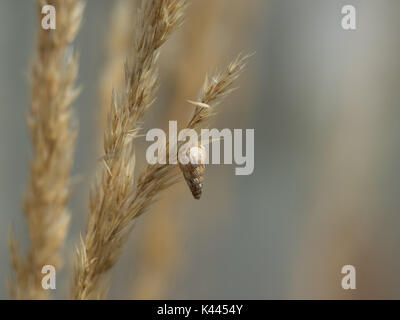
[(324, 193)]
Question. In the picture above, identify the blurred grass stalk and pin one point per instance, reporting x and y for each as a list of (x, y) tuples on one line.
[(52, 79)]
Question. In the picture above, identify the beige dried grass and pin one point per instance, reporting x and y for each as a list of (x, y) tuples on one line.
[(157, 177), (158, 248), (114, 204), (52, 78), (116, 201), (108, 238), (214, 90)]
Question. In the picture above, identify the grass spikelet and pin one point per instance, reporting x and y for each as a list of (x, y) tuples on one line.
[(214, 90)]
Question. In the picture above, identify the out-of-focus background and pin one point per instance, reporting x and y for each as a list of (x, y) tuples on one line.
[(324, 103)]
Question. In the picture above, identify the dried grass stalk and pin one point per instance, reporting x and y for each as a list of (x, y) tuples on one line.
[(214, 90), (52, 77), (158, 251), (155, 178), (108, 235), (116, 201), (113, 201), (158, 177)]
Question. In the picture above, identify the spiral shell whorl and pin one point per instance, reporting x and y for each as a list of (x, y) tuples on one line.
[(193, 172)]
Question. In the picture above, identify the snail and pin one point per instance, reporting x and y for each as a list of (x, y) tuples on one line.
[(193, 170)]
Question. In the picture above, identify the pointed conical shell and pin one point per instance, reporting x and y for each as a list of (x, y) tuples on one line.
[(193, 172), (194, 176)]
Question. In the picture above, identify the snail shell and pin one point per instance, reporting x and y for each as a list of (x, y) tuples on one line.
[(193, 172)]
